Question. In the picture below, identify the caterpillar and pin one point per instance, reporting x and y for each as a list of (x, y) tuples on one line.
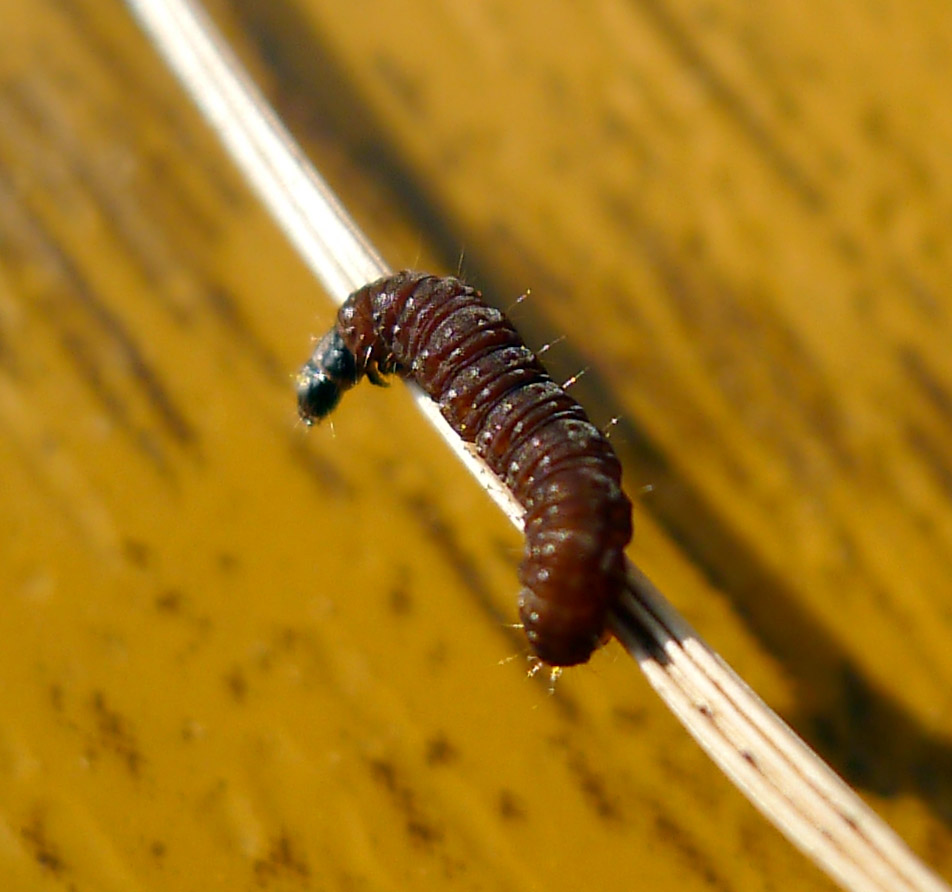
[(495, 393)]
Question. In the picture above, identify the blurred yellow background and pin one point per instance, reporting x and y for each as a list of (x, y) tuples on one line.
[(235, 654)]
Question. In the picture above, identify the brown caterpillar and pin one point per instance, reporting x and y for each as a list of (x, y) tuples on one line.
[(496, 394)]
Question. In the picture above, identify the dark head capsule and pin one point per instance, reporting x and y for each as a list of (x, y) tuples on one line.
[(330, 371)]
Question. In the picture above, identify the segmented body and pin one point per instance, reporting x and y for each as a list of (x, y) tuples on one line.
[(496, 394)]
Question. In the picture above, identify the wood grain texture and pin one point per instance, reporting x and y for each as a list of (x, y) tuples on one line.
[(238, 656)]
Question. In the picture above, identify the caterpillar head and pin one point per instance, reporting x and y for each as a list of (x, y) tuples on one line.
[(330, 371)]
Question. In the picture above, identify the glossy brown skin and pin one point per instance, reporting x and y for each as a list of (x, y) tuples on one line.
[(495, 393)]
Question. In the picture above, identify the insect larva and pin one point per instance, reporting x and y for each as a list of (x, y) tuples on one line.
[(495, 393)]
